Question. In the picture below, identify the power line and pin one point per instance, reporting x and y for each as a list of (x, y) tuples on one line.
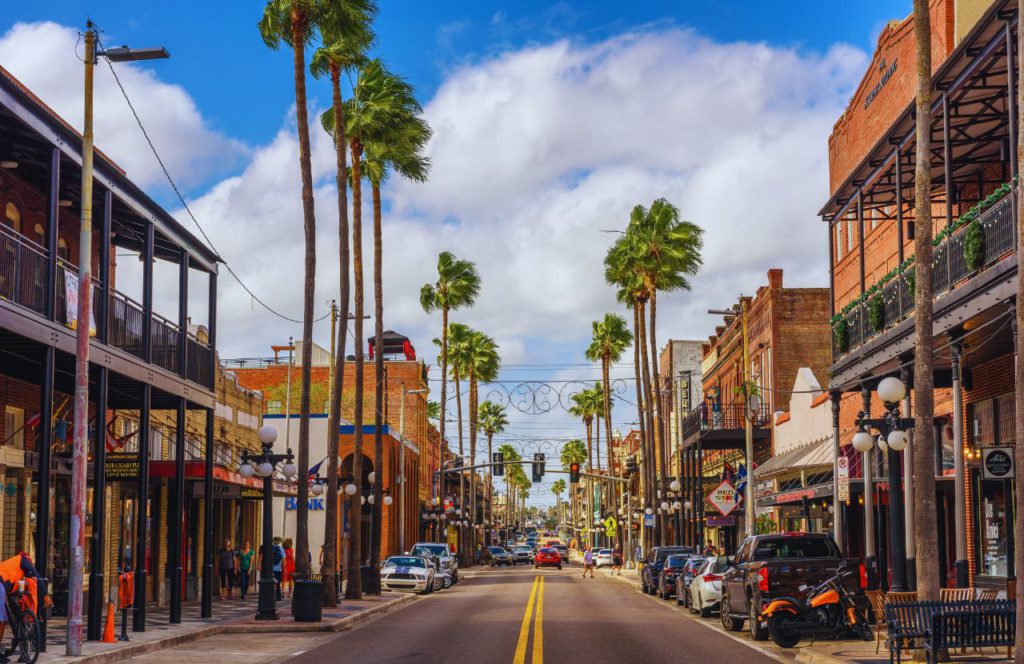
[(184, 204)]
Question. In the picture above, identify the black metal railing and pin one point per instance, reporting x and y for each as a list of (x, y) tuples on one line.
[(715, 417), (126, 318), (950, 269), (22, 271), (164, 336), (199, 362)]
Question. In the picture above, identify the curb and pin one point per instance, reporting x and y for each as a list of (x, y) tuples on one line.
[(810, 657), (339, 625)]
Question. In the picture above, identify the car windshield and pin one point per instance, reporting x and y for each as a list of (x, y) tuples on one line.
[(605, 552), (675, 561), (429, 550), (405, 561), (497, 549), (796, 547), (548, 549), (520, 549), (718, 566), (664, 553)]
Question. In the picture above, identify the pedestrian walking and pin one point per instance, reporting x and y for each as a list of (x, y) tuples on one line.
[(245, 557), (278, 566), (288, 577), (588, 562), (710, 549), (227, 565), (617, 561)]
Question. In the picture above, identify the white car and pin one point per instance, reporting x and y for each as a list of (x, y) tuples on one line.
[(409, 573), (603, 558), (706, 587), (447, 563)]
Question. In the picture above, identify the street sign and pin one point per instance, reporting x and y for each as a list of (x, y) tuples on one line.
[(724, 498), (649, 520), (997, 463), (843, 477)]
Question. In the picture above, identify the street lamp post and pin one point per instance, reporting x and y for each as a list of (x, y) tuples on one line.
[(892, 429), (80, 435), (263, 464)]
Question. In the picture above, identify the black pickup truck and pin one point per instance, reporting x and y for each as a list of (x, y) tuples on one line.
[(770, 566)]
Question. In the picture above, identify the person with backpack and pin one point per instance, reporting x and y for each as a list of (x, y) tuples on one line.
[(278, 567)]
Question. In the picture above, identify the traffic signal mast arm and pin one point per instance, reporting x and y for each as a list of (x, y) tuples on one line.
[(524, 461)]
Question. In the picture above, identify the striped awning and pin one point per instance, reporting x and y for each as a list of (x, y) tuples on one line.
[(813, 455)]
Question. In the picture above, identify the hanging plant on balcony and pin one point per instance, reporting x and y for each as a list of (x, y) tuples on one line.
[(909, 276), (841, 335), (876, 313), (974, 245)]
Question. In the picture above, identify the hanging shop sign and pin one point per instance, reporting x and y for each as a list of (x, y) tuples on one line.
[(843, 478), (724, 498), (248, 493), (997, 463), (720, 521), (122, 467)]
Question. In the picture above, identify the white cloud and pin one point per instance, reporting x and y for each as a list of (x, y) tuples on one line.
[(46, 57)]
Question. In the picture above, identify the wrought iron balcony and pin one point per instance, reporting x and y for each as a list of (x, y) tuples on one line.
[(950, 271), (726, 417)]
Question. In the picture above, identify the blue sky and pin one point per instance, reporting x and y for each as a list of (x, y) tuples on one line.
[(424, 40)]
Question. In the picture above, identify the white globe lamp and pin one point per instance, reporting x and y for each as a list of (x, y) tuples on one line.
[(317, 489), (266, 469), (388, 500), (246, 470), (664, 506), (267, 435), (289, 470), (676, 505), (675, 485), (648, 511), (371, 477), (891, 390), (898, 440), (372, 499), (350, 489), (882, 445), (862, 441)]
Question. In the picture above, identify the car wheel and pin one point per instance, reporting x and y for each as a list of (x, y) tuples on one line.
[(728, 622), (447, 582), (689, 602), (665, 594), (758, 632)]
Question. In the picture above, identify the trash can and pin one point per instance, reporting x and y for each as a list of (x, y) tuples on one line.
[(308, 598)]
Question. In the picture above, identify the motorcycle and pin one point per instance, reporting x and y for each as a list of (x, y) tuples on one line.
[(830, 609)]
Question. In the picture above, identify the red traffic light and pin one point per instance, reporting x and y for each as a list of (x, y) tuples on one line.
[(574, 472)]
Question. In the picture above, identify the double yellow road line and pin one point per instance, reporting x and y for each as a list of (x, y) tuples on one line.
[(536, 599)]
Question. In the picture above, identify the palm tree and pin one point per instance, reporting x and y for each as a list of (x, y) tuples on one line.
[(384, 118), (574, 451), (483, 363), (433, 410), (295, 22), (457, 285), (509, 453), (458, 336), (346, 35), (924, 404), (492, 420), (558, 488), (586, 406)]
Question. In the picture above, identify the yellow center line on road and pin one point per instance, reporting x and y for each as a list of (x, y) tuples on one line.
[(524, 630), (538, 627)]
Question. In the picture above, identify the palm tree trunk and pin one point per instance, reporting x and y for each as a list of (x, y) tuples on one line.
[(597, 440), (614, 486), (1018, 512), (645, 486), (652, 438), (589, 424), (376, 511), (299, 25), (329, 566), (490, 488), (656, 400), (444, 371), (472, 461), (924, 404), (354, 588)]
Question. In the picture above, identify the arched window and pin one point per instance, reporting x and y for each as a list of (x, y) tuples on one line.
[(12, 217), (62, 249), (40, 237)]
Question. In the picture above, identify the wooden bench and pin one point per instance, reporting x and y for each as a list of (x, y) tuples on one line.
[(974, 624), (906, 623)]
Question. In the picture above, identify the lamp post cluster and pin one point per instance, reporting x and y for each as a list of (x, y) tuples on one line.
[(263, 464), (890, 433)]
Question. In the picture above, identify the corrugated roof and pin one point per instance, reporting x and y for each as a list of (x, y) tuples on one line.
[(809, 455)]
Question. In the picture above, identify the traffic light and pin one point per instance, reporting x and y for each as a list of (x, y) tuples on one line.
[(574, 473), (538, 467), (498, 458), (631, 464)]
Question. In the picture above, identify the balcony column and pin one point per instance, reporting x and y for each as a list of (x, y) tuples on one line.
[(52, 212), (899, 206), (956, 347), (142, 516), (43, 495), (102, 302), (97, 585), (947, 168), (182, 312), (860, 235), (838, 507), (1011, 99), (699, 503), (175, 532), (869, 499), (147, 294)]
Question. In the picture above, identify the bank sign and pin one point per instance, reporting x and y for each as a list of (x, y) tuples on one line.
[(314, 504)]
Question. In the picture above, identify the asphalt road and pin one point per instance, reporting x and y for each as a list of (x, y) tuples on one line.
[(519, 615)]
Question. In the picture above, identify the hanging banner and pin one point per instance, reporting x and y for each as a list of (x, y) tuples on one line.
[(71, 302), (843, 479)]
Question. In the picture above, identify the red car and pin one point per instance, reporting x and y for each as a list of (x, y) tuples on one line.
[(547, 557)]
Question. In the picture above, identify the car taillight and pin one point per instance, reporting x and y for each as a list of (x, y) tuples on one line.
[(863, 576), (762, 579), (712, 577)]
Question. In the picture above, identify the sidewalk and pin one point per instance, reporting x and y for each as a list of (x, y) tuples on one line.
[(230, 617)]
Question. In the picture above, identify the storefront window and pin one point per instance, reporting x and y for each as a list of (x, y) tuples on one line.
[(994, 534)]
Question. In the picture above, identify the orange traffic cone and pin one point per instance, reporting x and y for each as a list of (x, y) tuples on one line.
[(108, 629)]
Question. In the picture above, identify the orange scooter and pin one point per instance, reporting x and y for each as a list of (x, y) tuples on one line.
[(829, 610)]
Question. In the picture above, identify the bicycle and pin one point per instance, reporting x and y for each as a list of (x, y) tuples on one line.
[(26, 633)]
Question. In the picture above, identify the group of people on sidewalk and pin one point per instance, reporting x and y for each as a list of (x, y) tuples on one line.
[(589, 563), (237, 568)]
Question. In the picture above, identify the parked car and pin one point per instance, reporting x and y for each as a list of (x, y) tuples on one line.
[(547, 557), (676, 565), (704, 594), (522, 554), (562, 551), (498, 556), (414, 573), (766, 567), (446, 562), (603, 558), (654, 562), (688, 572)]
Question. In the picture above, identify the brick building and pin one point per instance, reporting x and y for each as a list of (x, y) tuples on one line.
[(786, 328), (871, 218)]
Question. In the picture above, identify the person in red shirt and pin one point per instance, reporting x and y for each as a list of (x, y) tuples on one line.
[(289, 567)]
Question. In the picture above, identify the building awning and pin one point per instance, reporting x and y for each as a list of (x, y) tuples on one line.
[(813, 455), (196, 470)]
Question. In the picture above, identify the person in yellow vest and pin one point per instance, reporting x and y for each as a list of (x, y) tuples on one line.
[(12, 571)]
